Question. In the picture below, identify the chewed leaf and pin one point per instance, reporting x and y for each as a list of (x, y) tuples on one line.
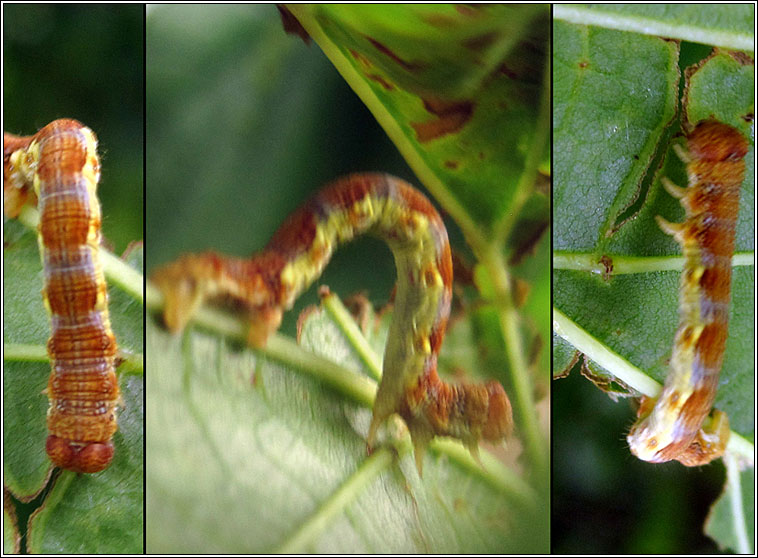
[(75, 506), (606, 134)]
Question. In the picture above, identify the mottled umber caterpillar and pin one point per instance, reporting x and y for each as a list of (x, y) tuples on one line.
[(268, 284), (675, 426), (61, 165)]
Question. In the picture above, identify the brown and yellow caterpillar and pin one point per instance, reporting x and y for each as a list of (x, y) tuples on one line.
[(268, 283), (59, 164), (676, 425)]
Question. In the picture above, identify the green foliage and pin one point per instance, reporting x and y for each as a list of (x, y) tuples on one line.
[(722, 25), (720, 526), (452, 131), (279, 435)]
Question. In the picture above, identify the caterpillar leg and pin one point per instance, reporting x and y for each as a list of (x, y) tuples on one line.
[(194, 279), (675, 191), (421, 438), (674, 229), (468, 412), (184, 291), (18, 174), (682, 153), (710, 442), (677, 425)]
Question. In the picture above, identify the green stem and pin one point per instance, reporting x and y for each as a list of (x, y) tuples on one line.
[(622, 369), (389, 123), (525, 187), (21, 352), (123, 275), (737, 504), (353, 334), (475, 236), (301, 541), (638, 23), (496, 265), (582, 261), (132, 363), (535, 443), (489, 468), (595, 350), (358, 387)]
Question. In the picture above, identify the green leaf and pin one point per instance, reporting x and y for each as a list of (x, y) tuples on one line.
[(239, 428), (399, 59), (564, 357), (723, 25), (442, 50), (711, 78), (609, 112), (616, 273), (486, 180), (11, 535), (732, 518), (69, 515)]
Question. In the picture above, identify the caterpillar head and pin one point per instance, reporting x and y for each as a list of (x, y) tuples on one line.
[(714, 141), (80, 458), (499, 422), (487, 415)]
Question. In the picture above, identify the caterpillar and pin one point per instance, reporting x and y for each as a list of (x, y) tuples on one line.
[(677, 425), (268, 283), (61, 165)]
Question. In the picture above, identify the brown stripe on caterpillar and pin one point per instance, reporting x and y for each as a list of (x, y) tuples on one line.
[(60, 163), (677, 425), (268, 284)]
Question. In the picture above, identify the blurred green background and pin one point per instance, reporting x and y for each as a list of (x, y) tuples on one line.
[(84, 62), (244, 123)]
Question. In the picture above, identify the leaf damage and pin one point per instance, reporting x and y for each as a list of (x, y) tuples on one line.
[(452, 116)]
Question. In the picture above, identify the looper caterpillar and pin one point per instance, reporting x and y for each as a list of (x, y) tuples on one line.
[(268, 284), (675, 426), (61, 165)]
